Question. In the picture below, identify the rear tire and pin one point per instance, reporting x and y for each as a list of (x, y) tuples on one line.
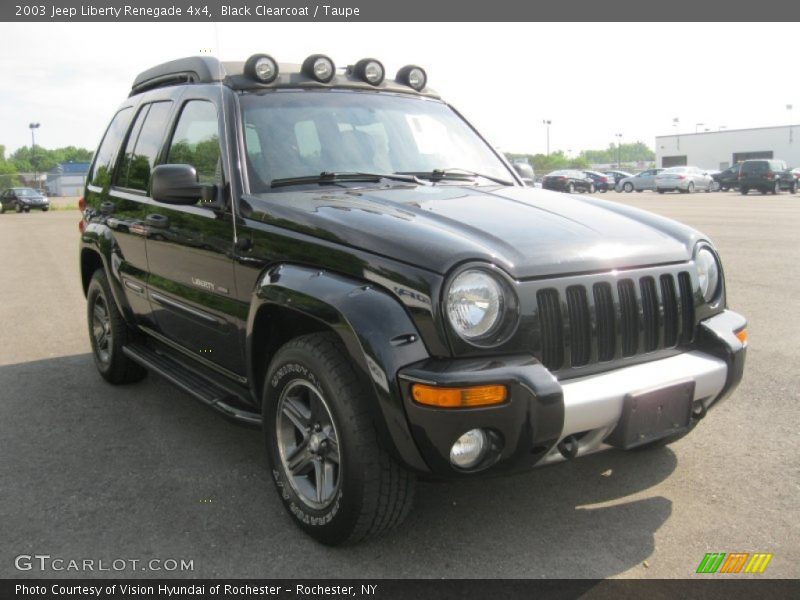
[(591, 188), (108, 333), (743, 191), (571, 188), (628, 187), (331, 472), (18, 208), (776, 189), (690, 188)]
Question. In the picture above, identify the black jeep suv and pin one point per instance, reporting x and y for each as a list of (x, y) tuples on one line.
[(342, 260), (765, 176)]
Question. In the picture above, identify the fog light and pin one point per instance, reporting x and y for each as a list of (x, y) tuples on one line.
[(469, 449)]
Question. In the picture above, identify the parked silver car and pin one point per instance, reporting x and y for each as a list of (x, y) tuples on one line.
[(646, 180), (684, 180)]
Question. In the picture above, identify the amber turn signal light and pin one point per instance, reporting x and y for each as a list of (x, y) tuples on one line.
[(741, 335), (459, 397)]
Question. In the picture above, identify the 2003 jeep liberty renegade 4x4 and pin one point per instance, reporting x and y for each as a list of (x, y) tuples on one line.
[(342, 259)]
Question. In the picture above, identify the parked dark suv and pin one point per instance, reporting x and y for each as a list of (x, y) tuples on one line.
[(363, 276), (728, 179), (765, 176), (23, 199)]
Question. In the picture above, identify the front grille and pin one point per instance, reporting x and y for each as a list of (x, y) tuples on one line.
[(617, 317)]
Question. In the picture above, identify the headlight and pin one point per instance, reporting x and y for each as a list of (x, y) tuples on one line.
[(475, 304), (708, 273)]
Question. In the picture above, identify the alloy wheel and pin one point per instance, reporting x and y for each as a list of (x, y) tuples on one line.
[(308, 444), (101, 329)]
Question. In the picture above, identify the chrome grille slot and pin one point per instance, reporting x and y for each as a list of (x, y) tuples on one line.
[(580, 332), (552, 328), (629, 317)]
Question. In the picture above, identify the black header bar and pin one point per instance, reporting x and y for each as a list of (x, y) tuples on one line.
[(397, 11)]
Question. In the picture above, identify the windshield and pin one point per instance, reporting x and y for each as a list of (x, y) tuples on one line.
[(27, 193), (674, 170), (302, 134)]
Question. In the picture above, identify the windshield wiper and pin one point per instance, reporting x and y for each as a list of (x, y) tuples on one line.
[(335, 177), (454, 173)]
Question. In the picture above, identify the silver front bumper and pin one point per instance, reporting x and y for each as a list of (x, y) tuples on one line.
[(593, 404)]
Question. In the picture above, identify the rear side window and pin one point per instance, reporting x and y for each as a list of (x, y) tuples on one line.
[(196, 141), (103, 165), (144, 143), (757, 166)]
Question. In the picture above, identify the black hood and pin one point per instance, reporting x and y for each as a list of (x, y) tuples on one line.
[(528, 232)]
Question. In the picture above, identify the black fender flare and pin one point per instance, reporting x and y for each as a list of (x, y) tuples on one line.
[(379, 336), (97, 238)]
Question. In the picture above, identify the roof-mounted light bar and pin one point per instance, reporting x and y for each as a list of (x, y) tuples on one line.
[(264, 69)]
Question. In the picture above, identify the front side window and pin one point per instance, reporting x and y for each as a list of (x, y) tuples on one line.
[(196, 141), (302, 133), (144, 144)]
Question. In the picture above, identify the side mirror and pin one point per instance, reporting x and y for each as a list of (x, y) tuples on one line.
[(178, 184), (525, 172)]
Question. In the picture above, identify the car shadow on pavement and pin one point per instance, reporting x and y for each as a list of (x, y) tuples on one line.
[(144, 471)]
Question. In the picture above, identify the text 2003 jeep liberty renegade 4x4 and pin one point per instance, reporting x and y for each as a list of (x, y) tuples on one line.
[(342, 259)]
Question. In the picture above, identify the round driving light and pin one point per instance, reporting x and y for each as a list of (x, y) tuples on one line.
[(469, 449), (707, 274), (412, 76), (369, 70), (475, 303), (319, 67), (261, 67)]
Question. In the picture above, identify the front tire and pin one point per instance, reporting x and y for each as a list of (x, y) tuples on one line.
[(337, 482), (628, 187), (18, 208), (776, 189), (109, 333), (571, 188)]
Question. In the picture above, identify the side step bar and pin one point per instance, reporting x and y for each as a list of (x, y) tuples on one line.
[(204, 390)]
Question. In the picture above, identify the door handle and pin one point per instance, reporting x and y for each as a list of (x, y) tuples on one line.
[(156, 220)]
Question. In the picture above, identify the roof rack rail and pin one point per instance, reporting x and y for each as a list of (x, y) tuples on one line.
[(193, 69)]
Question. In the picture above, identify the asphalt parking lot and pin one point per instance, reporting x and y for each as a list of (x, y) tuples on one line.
[(140, 472)]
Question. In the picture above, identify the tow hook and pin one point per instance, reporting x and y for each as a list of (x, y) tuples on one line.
[(568, 447), (699, 410)]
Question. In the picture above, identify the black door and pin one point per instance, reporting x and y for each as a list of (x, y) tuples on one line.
[(124, 209), (190, 250)]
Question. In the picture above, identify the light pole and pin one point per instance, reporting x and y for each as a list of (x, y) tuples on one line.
[(547, 123), (697, 126), (33, 127), (675, 123), (619, 149), (789, 108)]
